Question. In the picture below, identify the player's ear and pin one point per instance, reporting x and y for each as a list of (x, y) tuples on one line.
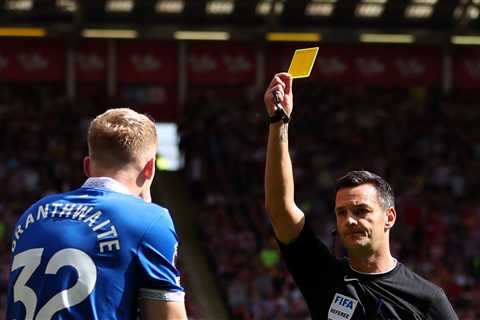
[(149, 169), (390, 217), (86, 166)]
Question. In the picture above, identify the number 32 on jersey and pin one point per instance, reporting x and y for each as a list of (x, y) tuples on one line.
[(31, 259)]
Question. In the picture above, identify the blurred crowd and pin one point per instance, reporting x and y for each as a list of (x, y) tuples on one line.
[(426, 144)]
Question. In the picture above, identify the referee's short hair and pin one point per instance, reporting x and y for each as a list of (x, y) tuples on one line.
[(360, 177)]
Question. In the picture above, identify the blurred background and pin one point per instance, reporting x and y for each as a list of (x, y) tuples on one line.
[(395, 90)]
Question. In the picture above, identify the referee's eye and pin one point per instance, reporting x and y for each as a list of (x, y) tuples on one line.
[(361, 211)]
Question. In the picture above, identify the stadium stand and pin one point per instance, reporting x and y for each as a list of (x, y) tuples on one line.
[(424, 142), (427, 146)]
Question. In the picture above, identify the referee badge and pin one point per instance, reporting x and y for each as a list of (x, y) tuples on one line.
[(342, 307)]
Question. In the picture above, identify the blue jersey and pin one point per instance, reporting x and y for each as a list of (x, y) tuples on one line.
[(91, 254)]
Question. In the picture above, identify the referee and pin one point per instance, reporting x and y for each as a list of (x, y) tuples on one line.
[(370, 284)]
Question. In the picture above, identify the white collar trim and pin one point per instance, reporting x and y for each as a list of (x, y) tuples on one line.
[(395, 262), (106, 183)]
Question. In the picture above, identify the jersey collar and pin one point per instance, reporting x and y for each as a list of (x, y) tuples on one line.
[(106, 183), (395, 262)]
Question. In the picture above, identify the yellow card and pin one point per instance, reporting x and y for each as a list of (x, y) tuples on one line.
[(302, 62)]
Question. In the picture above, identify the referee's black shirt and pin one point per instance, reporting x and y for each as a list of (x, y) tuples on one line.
[(333, 291)]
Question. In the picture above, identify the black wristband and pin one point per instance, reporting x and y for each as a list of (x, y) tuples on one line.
[(278, 115)]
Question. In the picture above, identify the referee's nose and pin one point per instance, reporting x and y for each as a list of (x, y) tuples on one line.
[(351, 220)]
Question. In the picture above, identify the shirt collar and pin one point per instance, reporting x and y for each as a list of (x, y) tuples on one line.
[(395, 262), (106, 183)]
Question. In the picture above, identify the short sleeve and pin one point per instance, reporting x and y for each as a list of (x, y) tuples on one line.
[(315, 270), (308, 250), (159, 278)]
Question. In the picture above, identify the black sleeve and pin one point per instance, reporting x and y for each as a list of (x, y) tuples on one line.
[(441, 309), (312, 266)]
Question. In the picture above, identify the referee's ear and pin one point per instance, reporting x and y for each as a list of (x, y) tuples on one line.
[(390, 218)]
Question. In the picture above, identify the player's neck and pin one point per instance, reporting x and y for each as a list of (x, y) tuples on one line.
[(380, 261), (130, 176), (122, 177), (128, 182)]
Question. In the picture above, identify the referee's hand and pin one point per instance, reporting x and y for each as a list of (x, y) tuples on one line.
[(281, 85)]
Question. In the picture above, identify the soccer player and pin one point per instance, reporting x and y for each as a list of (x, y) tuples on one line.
[(370, 284), (102, 251)]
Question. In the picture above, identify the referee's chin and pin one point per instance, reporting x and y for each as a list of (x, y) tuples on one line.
[(357, 247)]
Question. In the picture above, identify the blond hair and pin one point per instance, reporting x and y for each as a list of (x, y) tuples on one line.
[(119, 137)]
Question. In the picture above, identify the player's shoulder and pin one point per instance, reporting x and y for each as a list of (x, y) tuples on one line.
[(48, 198), (53, 197), (128, 201), (118, 206), (132, 208)]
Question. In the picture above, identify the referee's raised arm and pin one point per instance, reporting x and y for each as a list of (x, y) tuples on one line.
[(287, 219)]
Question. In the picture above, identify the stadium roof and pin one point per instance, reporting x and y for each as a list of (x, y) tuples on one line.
[(334, 19)]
